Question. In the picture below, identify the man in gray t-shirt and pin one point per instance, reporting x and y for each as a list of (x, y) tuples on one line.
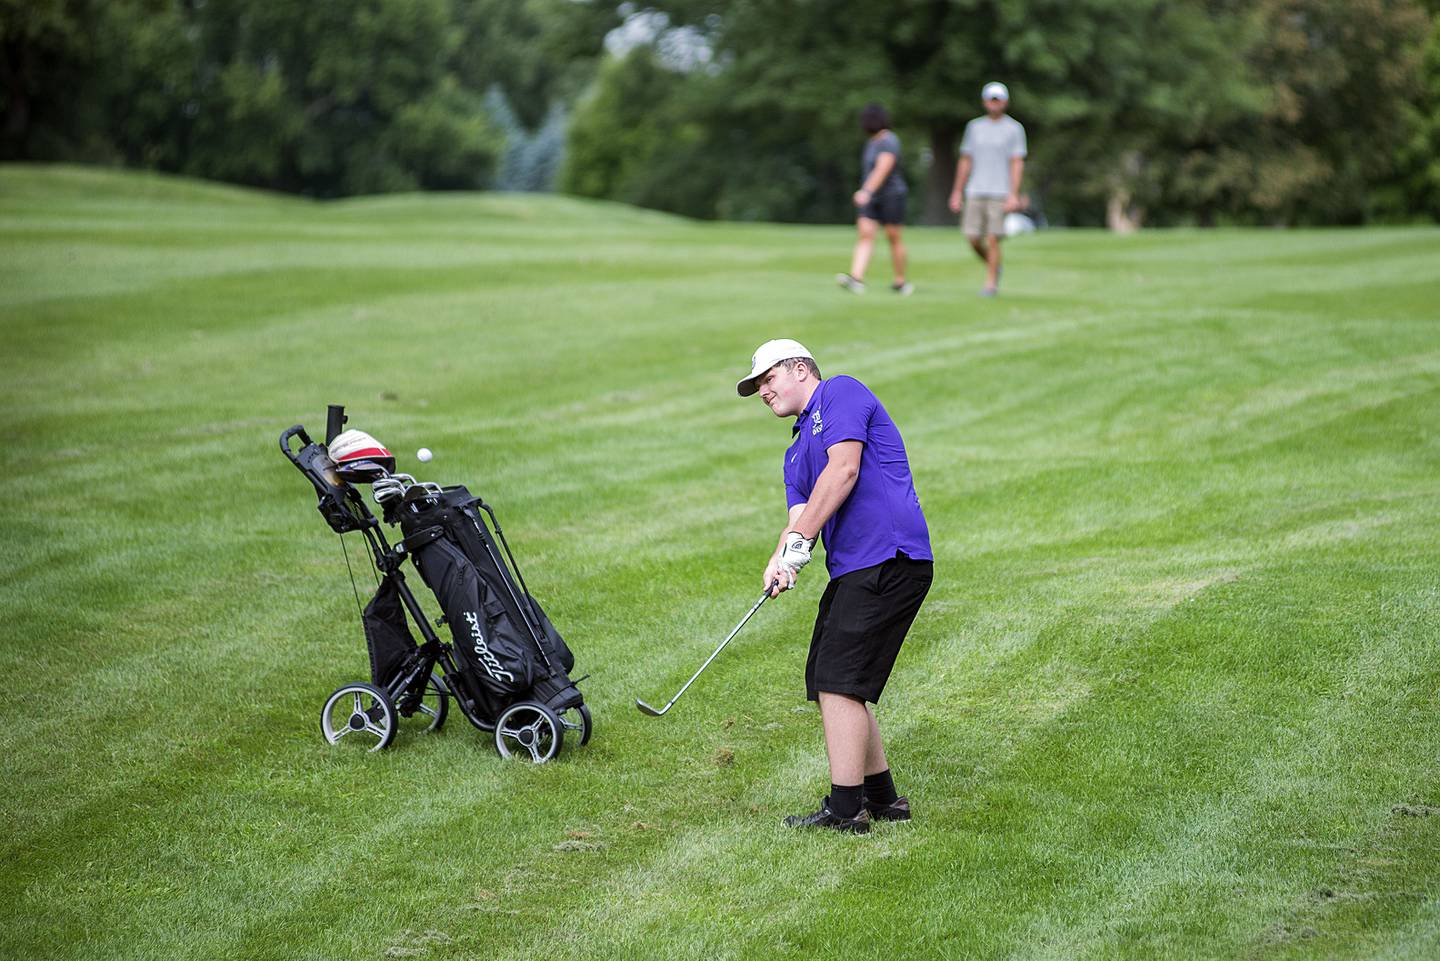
[(987, 179)]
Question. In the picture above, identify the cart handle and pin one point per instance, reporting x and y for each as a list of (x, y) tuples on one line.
[(285, 442)]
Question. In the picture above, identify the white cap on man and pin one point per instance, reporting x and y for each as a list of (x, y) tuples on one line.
[(995, 90), (767, 355)]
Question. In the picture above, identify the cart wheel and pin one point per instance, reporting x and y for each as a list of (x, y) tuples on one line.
[(584, 725), (359, 709), (434, 704), (528, 729)]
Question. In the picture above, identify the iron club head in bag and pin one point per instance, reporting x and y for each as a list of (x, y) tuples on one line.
[(657, 712)]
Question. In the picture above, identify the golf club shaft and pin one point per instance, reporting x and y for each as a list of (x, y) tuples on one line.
[(728, 639)]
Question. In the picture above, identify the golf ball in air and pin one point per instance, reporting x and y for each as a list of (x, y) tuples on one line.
[(424, 454)]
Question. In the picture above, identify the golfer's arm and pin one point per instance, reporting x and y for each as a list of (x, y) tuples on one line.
[(835, 483), (1017, 174), (962, 172), (795, 513), (883, 165)]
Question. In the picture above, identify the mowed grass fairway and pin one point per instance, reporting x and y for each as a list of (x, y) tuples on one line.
[(1174, 693)]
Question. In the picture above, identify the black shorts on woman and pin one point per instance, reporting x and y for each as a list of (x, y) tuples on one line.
[(887, 207), (863, 619)]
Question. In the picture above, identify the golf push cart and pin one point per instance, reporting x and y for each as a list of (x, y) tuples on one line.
[(507, 666)]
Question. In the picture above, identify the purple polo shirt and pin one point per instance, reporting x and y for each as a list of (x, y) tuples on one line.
[(882, 516)]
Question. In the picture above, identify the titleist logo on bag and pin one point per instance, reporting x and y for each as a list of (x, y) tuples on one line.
[(482, 651)]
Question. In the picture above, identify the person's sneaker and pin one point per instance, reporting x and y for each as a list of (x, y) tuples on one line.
[(904, 290), (850, 283), (826, 818), (898, 811), (988, 291)]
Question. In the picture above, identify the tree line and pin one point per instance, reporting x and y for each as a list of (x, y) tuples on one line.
[(324, 98), (1138, 111)]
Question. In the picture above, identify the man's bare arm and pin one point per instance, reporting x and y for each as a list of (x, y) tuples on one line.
[(775, 575), (962, 175), (835, 483), (1017, 174)]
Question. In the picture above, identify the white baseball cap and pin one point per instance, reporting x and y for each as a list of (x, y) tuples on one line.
[(767, 355), (995, 90)]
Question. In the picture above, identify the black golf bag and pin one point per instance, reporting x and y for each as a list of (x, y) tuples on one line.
[(507, 646)]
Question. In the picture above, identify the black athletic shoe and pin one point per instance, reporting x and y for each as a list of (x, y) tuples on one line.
[(826, 818), (899, 811)]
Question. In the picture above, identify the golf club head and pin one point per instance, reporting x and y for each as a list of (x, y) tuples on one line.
[(647, 709)]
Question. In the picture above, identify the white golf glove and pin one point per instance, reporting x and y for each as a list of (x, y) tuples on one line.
[(796, 552)]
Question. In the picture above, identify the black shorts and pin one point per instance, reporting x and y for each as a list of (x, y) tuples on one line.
[(888, 208), (864, 617)]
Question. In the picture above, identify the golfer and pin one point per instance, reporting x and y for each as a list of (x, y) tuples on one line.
[(987, 179), (847, 478), (879, 203)]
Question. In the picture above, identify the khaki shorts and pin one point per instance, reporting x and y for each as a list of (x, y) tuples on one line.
[(983, 216)]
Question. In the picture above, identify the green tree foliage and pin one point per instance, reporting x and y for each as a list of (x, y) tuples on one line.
[(1416, 194), (792, 78), (539, 52), (651, 135), (701, 143), (1336, 83), (47, 52), (1162, 110), (340, 97), (1156, 111)]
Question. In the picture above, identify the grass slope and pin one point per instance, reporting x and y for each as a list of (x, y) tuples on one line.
[(1173, 695)]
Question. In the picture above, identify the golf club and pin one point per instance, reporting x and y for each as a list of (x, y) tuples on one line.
[(657, 712)]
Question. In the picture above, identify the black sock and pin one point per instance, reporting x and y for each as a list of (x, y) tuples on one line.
[(880, 789), (845, 799)]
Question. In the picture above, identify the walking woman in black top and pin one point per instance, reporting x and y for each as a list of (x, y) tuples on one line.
[(880, 202)]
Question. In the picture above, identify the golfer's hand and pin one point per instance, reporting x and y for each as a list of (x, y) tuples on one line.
[(1012, 203), (777, 577), (956, 202), (861, 198)]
